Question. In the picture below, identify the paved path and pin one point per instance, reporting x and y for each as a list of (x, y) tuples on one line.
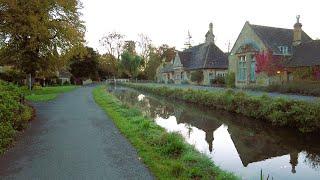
[(250, 92), (72, 138)]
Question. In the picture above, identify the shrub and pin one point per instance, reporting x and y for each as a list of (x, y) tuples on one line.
[(14, 115), (218, 80), (230, 80), (170, 81), (197, 76)]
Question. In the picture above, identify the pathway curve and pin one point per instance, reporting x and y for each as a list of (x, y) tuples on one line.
[(72, 138)]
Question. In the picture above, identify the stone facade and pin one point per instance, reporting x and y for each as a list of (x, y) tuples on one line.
[(256, 39)]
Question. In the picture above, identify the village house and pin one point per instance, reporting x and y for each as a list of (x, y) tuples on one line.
[(293, 48), (206, 58)]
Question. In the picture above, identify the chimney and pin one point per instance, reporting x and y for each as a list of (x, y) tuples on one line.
[(209, 35), (297, 32)]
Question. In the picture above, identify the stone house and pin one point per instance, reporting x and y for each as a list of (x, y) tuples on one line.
[(205, 57), (279, 42)]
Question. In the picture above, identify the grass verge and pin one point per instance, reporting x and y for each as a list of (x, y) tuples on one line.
[(301, 115), (166, 154), (44, 94)]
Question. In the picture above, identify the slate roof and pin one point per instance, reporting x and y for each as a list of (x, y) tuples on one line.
[(167, 68), (204, 56), (305, 54), (274, 37)]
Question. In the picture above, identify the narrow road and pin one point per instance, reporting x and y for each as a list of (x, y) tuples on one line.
[(72, 138)]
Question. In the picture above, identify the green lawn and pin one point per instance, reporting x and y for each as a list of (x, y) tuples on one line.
[(48, 93), (167, 155)]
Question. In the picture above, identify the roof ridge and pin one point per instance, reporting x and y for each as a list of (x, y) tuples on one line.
[(206, 58), (271, 27)]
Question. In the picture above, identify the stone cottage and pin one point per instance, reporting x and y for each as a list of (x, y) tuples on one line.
[(206, 57), (286, 44)]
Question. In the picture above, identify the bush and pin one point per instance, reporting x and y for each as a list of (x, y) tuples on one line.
[(218, 80), (230, 80), (197, 76), (170, 81), (14, 115)]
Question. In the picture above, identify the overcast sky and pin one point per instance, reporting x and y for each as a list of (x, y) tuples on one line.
[(168, 21)]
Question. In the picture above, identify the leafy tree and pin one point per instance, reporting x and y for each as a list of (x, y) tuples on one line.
[(154, 62), (130, 64), (108, 66), (167, 52), (130, 47), (33, 33), (85, 66)]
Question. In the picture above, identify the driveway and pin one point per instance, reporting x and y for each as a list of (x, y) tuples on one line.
[(72, 138)]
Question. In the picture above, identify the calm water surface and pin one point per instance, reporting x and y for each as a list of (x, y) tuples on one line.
[(234, 143)]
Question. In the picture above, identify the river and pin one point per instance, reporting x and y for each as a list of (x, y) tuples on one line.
[(235, 143)]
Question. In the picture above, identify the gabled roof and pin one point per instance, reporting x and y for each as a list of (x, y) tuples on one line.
[(204, 56), (274, 37), (305, 54)]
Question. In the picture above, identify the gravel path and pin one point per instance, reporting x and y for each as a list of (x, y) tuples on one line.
[(253, 93), (72, 138)]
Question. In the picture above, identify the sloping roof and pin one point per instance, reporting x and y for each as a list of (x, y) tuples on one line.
[(305, 54), (204, 56), (274, 37), (167, 68)]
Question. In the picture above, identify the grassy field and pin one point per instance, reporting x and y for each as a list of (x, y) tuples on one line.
[(48, 93), (166, 154)]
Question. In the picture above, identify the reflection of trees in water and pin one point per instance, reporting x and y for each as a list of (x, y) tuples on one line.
[(313, 160)]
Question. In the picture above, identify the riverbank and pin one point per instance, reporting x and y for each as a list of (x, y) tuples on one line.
[(14, 113), (166, 154), (302, 115), (44, 94)]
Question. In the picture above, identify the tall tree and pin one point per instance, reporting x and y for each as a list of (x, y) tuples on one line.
[(108, 66), (85, 65), (113, 42), (144, 47), (130, 64), (33, 33)]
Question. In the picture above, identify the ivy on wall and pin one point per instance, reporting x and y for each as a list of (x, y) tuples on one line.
[(268, 63)]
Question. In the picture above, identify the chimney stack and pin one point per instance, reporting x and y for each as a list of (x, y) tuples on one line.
[(297, 32), (209, 35)]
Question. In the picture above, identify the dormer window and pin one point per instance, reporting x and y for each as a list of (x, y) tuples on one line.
[(283, 49)]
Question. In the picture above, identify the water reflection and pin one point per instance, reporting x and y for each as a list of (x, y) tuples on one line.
[(235, 143)]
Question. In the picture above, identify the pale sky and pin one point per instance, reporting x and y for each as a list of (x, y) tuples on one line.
[(168, 21)]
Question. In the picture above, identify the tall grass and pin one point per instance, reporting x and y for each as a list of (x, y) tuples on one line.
[(305, 116), (166, 154)]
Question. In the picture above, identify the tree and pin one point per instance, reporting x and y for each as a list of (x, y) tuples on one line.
[(108, 66), (85, 66), (154, 62), (130, 64), (167, 52), (144, 44), (113, 42), (33, 34), (130, 47)]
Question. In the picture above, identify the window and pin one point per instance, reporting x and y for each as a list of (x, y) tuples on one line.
[(283, 49), (252, 71), (242, 69), (211, 76)]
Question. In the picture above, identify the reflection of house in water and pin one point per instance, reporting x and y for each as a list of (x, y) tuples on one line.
[(254, 141)]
